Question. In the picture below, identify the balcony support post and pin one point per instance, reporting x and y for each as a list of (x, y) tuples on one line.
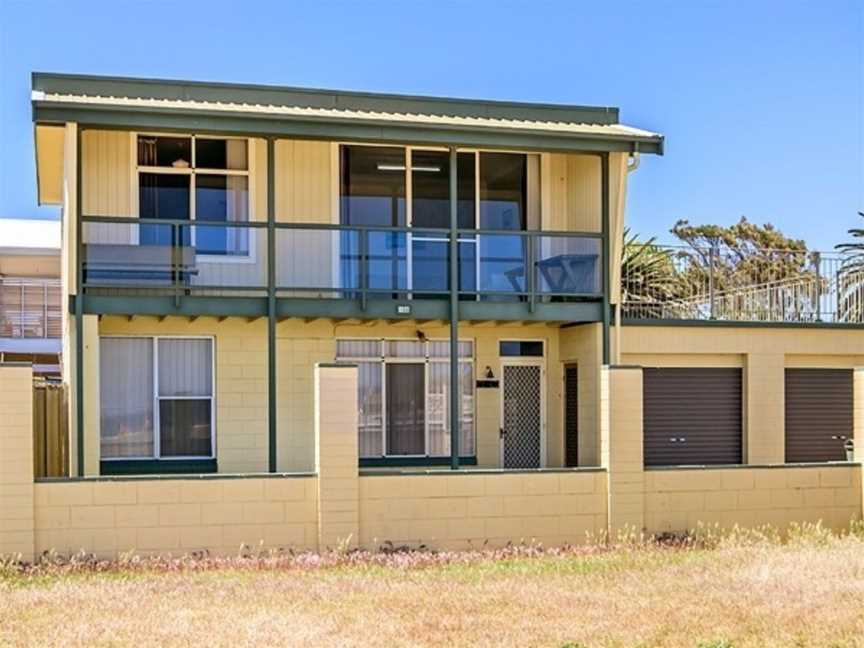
[(79, 313), (605, 257), (271, 304), (455, 392)]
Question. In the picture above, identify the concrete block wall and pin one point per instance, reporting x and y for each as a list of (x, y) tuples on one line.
[(462, 511), (679, 499), (157, 516), (16, 460), (337, 455)]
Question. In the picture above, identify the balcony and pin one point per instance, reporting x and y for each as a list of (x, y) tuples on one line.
[(729, 285), (353, 270)]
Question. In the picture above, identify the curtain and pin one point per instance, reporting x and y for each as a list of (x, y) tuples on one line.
[(185, 367), (369, 408), (438, 414), (346, 349), (185, 403), (126, 397), (237, 211), (405, 409)]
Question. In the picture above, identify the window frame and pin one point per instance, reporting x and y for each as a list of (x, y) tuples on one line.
[(249, 173), (426, 359), (156, 399)]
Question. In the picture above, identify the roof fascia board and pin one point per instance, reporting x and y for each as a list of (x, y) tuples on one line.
[(318, 98), (120, 117)]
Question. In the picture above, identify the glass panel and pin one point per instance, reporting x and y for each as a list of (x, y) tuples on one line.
[(405, 349), (185, 428), (439, 412), (165, 151), (369, 408), (373, 186), (430, 189), (126, 397), (441, 349), (567, 264), (502, 191), (430, 265), (185, 367), (523, 349), (358, 349), (222, 198), (388, 260), (502, 262), (467, 266), (162, 196), (221, 154), (406, 411)]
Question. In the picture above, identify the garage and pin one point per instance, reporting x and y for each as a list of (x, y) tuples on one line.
[(692, 416), (818, 414)]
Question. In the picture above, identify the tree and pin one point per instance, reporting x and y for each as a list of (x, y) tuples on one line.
[(648, 277), (850, 279)]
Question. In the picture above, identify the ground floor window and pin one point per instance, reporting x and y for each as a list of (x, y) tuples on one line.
[(404, 394), (156, 397)]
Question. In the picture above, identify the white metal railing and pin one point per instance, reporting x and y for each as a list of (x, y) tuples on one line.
[(744, 285), (30, 308)]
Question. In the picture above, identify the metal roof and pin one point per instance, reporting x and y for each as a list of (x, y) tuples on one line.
[(214, 103)]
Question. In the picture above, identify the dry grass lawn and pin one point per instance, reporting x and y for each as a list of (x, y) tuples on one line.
[(734, 592)]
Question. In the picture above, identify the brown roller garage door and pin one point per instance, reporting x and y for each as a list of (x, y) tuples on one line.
[(818, 414), (692, 416)]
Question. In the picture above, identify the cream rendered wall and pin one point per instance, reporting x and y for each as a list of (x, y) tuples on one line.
[(763, 353), (571, 192)]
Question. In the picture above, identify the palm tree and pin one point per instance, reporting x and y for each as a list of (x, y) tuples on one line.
[(850, 279), (648, 277)]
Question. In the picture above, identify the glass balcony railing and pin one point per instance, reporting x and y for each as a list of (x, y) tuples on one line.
[(335, 261)]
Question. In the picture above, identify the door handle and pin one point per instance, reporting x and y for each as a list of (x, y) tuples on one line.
[(501, 433)]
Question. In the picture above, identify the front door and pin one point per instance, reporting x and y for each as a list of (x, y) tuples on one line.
[(521, 416)]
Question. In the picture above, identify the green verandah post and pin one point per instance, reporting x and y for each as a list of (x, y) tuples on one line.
[(271, 303), (454, 313)]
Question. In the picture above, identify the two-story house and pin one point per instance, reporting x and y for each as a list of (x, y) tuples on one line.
[(287, 312)]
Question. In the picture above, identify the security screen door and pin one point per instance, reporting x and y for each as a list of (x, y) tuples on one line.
[(521, 418)]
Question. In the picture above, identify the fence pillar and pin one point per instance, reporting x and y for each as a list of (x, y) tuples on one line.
[(764, 409), (17, 516), (622, 447), (336, 455)]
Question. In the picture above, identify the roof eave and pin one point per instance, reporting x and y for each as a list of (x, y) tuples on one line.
[(311, 127)]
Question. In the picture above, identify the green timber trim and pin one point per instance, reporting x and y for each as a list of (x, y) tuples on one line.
[(604, 226), (79, 312), (736, 324), (157, 466), (201, 306), (174, 89), (407, 462), (455, 404), (338, 129), (271, 304)]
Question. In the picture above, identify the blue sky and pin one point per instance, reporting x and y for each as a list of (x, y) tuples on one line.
[(761, 102)]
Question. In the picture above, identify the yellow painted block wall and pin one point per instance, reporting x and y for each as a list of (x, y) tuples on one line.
[(241, 383), (109, 517), (16, 461), (762, 353), (677, 500), (445, 511)]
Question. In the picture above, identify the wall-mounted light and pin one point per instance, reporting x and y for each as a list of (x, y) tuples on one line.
[(489, 374)]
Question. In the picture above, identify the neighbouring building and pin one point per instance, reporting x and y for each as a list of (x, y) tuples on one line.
[(342, 297), (30, 312)]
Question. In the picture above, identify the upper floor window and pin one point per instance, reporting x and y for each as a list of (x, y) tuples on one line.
[(392, 186), (194, 178)]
